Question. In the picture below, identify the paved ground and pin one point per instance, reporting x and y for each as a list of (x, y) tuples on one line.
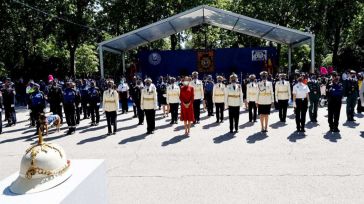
[(212, 166)]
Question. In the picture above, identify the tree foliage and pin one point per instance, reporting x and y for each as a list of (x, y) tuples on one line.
[(35, 44)]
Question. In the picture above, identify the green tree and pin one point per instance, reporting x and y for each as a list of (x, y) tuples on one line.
[(86, 60)]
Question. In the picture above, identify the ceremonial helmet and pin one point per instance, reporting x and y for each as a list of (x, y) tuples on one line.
[(233, 76), (219, 77), (43, 167), (194, 73), (148, 79), (252, 76), (264, 73)]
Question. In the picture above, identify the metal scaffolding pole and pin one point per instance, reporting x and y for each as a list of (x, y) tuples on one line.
[(123, 62), (312, 70), (101, 57)]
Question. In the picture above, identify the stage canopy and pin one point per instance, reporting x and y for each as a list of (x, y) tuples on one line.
[(208, 15)]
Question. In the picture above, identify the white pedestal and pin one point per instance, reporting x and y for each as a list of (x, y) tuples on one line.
[(86, 185)]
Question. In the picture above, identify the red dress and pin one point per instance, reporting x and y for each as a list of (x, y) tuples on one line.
[(187, 96)]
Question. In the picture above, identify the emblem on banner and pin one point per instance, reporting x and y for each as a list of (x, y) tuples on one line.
[(154, 58), (259, 55), (206, 61)]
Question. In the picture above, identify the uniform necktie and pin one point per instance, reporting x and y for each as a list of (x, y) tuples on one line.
[(234, 87)]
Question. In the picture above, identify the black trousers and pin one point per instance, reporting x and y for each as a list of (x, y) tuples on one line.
[(94, 110), (209, 104), (85, 109), (150, 117), (36, 111), (1, 121), (70, 112), (234, 112), (252, 111), (220, 111), (282, 107), (124, 101), (135, 110), (174, 111), (57, 109), (359, 108), (11, 115), (78, 114), (334, 107), (300, 111), (196, 109), (140, 113), (313, 109), (111, 120)]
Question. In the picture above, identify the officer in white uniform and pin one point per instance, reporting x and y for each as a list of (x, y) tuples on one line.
[(300, 103), (282, 96), (265, 100), (149, 103), (233, 100), (218, 98), (173, 101), (251, 97), (199, 95), (123, 90)]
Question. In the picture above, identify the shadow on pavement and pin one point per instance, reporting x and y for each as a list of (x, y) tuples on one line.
[(214, 124), (277, 125), (17, 139), (92, 139), (362, 134), (259, 136), (223, 138), (311, 125), (174, 140), (296, 136), (93, 128), (164, 126), (246, 125), (332, 136), (133, 139), (351, 124)]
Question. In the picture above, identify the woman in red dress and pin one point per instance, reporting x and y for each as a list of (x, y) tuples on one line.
[(187, 97)]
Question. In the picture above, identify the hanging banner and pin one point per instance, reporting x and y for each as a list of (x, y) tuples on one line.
[(205, 60)]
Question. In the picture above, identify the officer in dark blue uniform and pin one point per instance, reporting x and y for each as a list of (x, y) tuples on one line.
[(209, 85), (93, 98), (315, 95), (38, 104), (77, 101), (352, 94), (84, 99), (55, 99), (69, 101), (335, 92), (9, 103)]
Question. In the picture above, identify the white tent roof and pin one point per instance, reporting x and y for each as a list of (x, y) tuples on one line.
[(209, 15)]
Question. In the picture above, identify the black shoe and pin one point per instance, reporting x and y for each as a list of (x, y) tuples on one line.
[(221, 121), (298, 130), (140, 123), (231, 131), (303, 130), (198, 122), (93, 124), (96, 124), (194, 122), (151, 132), (114, 133), (134, 116), (236, 131), (175, 122), (171, 123), (217, 121), (336, 130), (108, 134), (250, 121)]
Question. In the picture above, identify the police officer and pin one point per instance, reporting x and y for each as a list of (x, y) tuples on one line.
[(315, 95), (300, 103), (209, 86), (351, 92), (132, 93), (233, 101), (149, 103), (173, 92), (69, 105), (84, 99), (137, 100), (93, 98), (9, 103), (282, 96), (55, 99), (218, 98), (78, 100), (251, 97), (265, 100), (199, 96), (334, 92), (38, 102), (123, 90)]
